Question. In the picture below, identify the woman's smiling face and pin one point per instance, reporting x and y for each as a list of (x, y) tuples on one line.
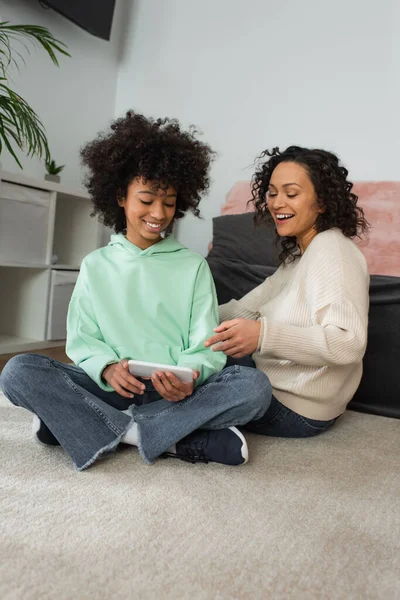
[(292, 202)]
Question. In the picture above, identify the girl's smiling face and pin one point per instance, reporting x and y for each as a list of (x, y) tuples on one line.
[(149, 209)]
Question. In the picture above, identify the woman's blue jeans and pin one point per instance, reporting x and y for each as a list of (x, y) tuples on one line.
[(89, 422), (278, 420)]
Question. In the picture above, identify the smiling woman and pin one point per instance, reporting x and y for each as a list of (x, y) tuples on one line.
[(311, 186), (292, 203), (306, 325)]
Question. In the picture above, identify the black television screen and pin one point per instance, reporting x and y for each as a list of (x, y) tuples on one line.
[(95, 16)]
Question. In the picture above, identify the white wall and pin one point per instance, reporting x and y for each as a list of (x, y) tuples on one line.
[(260, 73), (74, 101), (250, 73)]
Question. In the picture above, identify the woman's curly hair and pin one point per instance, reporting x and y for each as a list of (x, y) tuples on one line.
[(156, 150), (331, 185)]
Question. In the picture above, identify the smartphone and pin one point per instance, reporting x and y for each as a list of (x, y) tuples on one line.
[(141, 368)]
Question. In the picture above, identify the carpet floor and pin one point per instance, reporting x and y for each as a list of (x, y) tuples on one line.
[(304, 519)]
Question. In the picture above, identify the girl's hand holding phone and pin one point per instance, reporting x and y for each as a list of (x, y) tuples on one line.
[(171, 388), (117, 375)]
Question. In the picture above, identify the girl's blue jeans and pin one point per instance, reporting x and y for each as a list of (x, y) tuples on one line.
[(89, 422)]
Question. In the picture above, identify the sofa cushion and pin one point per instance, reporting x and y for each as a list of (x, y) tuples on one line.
[(234, 278), (381, 203), (235, 237), (379, 391)]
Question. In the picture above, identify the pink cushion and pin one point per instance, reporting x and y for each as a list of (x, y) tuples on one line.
[(381, 203), (237, 198)]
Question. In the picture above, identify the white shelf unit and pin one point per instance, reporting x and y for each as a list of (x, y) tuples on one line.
[(44, 226)]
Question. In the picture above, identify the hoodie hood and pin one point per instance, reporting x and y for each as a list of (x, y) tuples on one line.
[(168, 244)]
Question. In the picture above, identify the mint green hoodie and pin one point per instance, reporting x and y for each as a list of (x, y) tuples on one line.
[(157, 305)]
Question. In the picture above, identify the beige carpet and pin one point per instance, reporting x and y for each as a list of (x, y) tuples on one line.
[(305, 519)]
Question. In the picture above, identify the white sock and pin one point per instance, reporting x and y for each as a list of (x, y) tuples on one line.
[(131, 436), (172, 449)]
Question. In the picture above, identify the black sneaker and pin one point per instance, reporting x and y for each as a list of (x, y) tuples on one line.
[(41, 433), (225, 446)]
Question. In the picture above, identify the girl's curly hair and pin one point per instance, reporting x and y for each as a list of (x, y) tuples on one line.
[(331, 185), (155, 149)]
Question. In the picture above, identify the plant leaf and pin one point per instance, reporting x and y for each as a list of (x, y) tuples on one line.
[(19, 123), (25, 123)]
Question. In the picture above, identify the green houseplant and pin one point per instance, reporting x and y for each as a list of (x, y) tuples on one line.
[(53, 170), (20, 126)]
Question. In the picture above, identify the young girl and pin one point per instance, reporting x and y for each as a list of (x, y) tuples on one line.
[(143, 297)]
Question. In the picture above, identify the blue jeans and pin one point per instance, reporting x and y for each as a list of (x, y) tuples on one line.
[(278, 420), (88, 421)]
